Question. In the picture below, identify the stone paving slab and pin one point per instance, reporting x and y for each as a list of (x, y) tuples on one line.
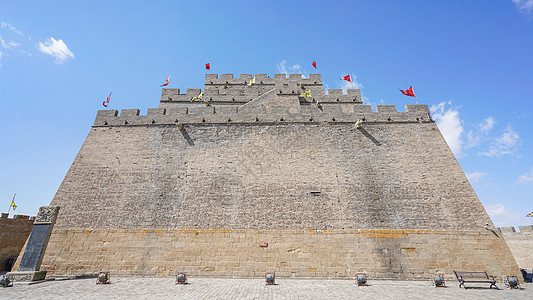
[(221, 288)]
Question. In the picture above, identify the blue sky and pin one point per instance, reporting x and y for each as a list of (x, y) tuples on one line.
[(470, 61)]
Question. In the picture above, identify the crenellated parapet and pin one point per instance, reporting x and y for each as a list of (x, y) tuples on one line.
[(270, 100), (229, 114), (524, 230), (229, 90), (262, 79)]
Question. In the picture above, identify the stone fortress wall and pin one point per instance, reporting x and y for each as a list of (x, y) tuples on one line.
[(13, 234), (196, 185), (521, 245)]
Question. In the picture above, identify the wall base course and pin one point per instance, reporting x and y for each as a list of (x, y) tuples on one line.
[(244, 258)]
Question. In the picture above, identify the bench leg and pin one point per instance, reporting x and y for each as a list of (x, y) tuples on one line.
[(462, 284)]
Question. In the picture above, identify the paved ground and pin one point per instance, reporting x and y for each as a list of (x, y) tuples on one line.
[(218, 288)]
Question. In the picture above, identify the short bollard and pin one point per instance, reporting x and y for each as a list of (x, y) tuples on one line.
[(5, 282), (361, 279), (103, 278), (181, 278), (270, 278)]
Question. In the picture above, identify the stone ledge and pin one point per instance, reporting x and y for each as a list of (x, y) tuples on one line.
[(26, 275)]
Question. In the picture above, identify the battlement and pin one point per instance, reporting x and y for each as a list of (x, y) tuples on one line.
[(270, 100), (527, 230), (313, 79), (229, 114), (229, 90), (18, 217)]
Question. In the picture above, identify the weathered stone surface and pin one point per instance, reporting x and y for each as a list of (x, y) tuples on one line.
[(13, 234), (382, 253), (26, 275), (47, 214), (259, 160), (290, 176), (521, 245), (35, 247)]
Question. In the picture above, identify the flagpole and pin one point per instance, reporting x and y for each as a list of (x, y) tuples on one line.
[(12, 201)]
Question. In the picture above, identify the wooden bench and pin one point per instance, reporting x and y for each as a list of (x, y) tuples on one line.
[(474, 277)]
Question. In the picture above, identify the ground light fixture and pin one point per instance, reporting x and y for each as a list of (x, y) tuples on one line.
[(270, 278), (361, 279), (102, 278), (4, 281), (438, 280), (512, 282), (181, 278)]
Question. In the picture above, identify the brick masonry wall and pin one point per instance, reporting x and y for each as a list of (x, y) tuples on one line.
[(13, 234), (286, 176), (197, 185), (520, 244), (383, 253)]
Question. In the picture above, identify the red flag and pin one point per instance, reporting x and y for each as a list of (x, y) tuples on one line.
[(107, 100), (207, 66), (347, 78), (314, 64), (168, 80), (409, 92)]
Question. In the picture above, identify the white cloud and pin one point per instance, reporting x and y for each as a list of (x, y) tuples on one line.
[(475, 176), (526, 177), (487, 125), (282, 67), (10, 44), (450, 125), (56, 48), (524, 6), (505, 144), (474, 137), (1, 55), (294, 69), (496, 210), (499, 210), (11, 28)]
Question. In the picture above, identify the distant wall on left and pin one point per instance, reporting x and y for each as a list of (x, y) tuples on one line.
[(13, 235)]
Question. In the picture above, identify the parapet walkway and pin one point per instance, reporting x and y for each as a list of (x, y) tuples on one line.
[(219, 288)]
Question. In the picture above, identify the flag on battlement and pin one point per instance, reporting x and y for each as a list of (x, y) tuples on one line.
[(106, 102), (252, 81), (306, 94), (199, 97), (530, 215), (168, 80), (347, 78), (208, 66), (13, 203), (408, 92), (314, 64)]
